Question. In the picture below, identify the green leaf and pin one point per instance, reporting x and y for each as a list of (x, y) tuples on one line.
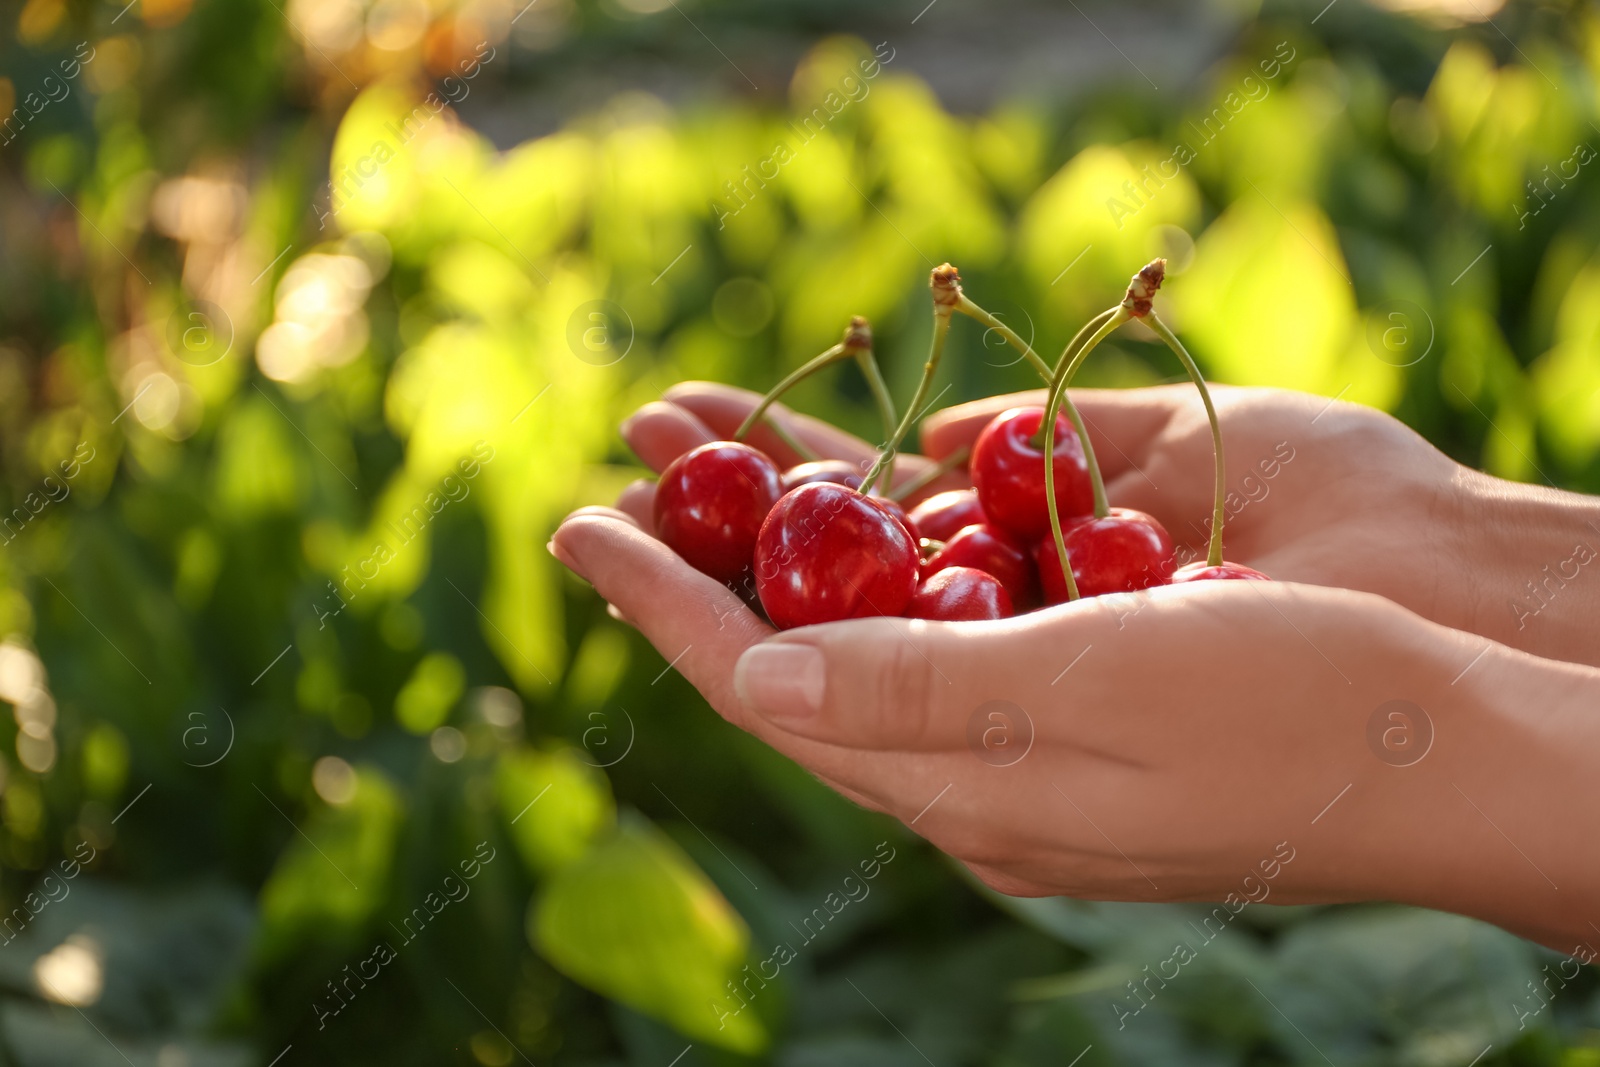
[(1268, 300), (1567, 378), (333, 875), (1407, 985), (41, 1037), (105, 760), (424, 702), (555, 805), (636, 921)]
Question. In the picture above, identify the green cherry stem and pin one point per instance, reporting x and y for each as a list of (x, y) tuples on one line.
[(967, 307), (806, 453), (932, 474), (973, 311), (946, 285), (1139, 304), (805, 370), (880, 389), (1071, 358), (857, 343), (1214, 551), (1109, 321)]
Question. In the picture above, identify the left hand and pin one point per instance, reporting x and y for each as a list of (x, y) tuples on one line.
[(1178, 736)]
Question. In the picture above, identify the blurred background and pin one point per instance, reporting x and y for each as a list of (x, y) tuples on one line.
[(317, 315)]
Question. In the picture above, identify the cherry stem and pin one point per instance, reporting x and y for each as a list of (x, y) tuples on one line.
[(972, 310), (1071, 357), (967, 307), (1214, 552), (1109, 321), (884, 464), (810, 367), (806, 453), (880, 390), (932, 474)]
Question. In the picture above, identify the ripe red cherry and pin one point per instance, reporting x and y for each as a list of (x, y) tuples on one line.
[(710, 504), (840, 472), (1008, 473), (994, 552), (893, 508), (837, 471), (1200, 572), (1124, 551), (941, 515), (958, 594), (825, 553)]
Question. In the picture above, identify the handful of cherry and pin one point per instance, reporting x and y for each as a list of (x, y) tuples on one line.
[(825, 540)]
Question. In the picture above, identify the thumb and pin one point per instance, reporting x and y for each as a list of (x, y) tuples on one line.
[(883, 684)]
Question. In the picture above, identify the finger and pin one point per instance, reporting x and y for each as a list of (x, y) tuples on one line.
[(950, 428), (1123, 424), (1011, 885), (638, 503), (693, 620), (859, 799), (699, 626), (723, 409), (878, 684), (1180, 504), (907, 467), (602, 512), (559, 552), (660, 432)]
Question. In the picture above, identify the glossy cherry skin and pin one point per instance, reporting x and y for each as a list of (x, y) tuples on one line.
[(823, 470), (893, 507), (960, 594), (1200, 572), (710, 504), (1125, 551), (995, 552), (941, 515), (1008, 473), (827, 553), (840, 472)]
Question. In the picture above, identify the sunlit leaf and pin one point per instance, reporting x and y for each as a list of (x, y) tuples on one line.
[(258, 468), (425, 701), (554, 800), (334, 875), (1268, 300), (1567, 378), (105, 760), (637, 921), (1091, 225)]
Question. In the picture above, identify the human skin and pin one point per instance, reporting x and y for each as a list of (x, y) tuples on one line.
[(1181, 734), (1365, 503)]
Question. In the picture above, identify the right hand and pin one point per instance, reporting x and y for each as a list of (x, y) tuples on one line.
[(1174, 763), (1338, 494)]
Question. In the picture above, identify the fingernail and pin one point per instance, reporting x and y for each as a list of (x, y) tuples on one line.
[(561, 554), (781, 681)]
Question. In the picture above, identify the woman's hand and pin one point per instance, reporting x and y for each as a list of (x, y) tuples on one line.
[(1158, 746), (1342, 495), (694, 413)]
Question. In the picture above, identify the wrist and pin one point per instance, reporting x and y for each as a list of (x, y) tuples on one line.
[(1495, 823), (1533, 554), (1468, 767)]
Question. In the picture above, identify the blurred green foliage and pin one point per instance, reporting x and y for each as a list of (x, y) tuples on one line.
[(298, 372)]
